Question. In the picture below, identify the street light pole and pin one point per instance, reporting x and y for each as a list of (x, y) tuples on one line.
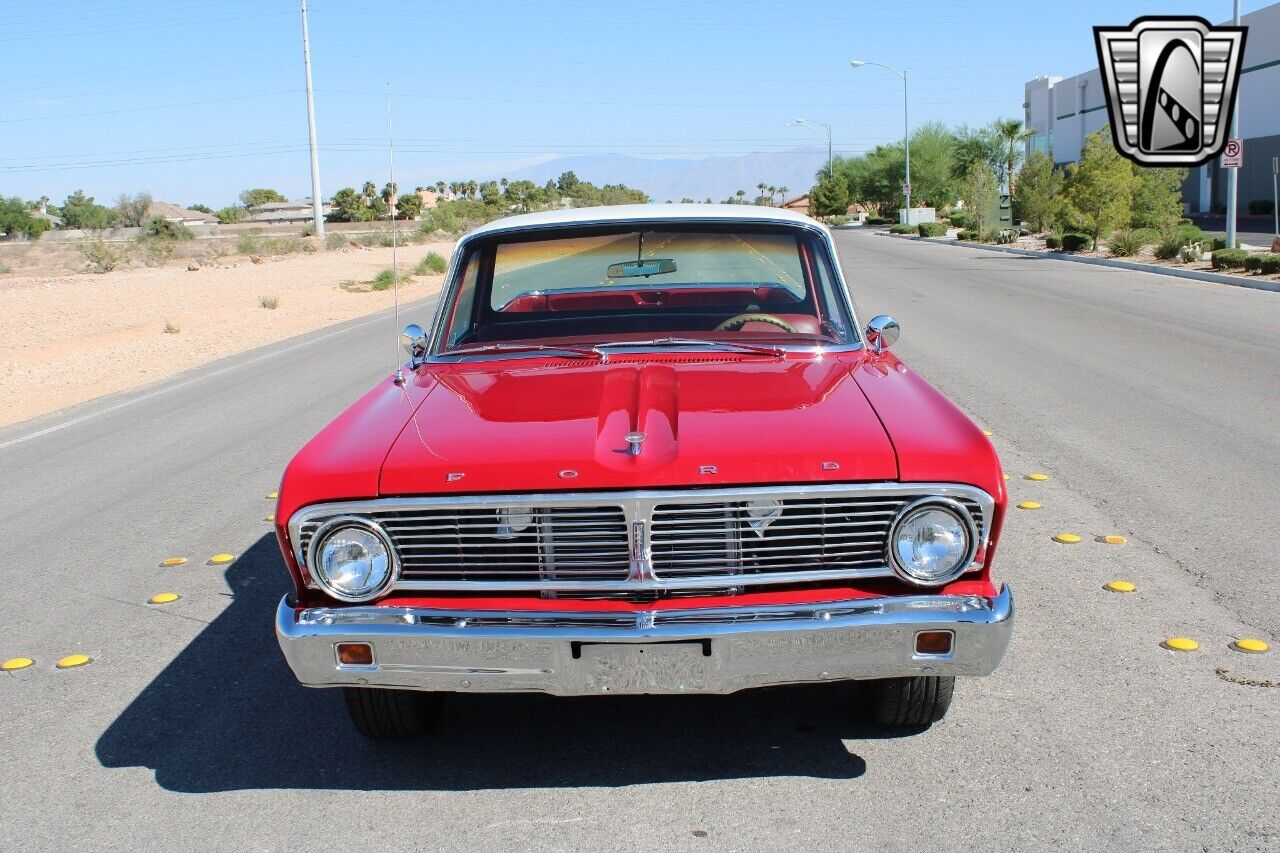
[(906, 127), (804, 122), (317, 217), (1233, 175)]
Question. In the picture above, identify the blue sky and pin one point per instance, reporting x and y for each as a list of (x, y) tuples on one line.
[(196, 101)]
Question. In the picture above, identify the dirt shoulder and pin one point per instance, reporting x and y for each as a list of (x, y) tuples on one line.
[(68, 338)]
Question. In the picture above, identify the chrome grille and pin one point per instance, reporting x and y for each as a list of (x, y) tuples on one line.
[(560, 543), (717, 540), (644, 542)]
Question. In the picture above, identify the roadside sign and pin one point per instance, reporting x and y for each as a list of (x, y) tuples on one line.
[(1233, 154), (1275, 165), (906, 189)]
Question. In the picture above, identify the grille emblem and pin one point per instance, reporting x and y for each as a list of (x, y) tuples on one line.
[(1170, 85)]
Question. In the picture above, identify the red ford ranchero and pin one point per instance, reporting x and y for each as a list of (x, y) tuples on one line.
[(644, 449)]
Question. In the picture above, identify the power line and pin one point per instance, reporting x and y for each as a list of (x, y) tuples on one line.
[(151, 107)]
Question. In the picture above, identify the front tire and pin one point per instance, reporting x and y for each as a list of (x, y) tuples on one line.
[(391, 714), (910, 702)]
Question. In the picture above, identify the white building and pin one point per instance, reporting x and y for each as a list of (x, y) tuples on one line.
[(1062, 112)]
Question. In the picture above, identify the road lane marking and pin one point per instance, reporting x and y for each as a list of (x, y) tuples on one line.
[(164, 598), (1121, 586), (221, 559), (1066, 538), (1250, 645), (72, 661), (1180, 644), (173, 561), (213, 374), (13, 664)]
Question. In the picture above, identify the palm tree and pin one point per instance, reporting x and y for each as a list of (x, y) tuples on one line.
[(503, 183), (782, 192), (369, 190), (1010, 133), (740, 194), (440, 187)]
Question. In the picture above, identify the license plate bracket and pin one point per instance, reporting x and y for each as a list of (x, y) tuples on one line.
[(637, 668)]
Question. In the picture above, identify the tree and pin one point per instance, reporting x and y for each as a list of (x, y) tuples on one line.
[(80, 211), (491, 192), (1011, 134), (1039, 191), (933, 150), (350, 206), (233, 213), (782, 194), (981, 195), (1099, 187), (974, 146), (369, 190), (262, 195), (131, 210), (829, 197), (567, 182), (16, 218), (409, 206), (200, 207), (1157, 197)]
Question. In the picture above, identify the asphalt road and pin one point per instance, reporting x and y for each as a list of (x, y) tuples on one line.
[(1151, 402)]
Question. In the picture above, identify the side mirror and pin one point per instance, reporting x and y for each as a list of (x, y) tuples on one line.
[(882, 332), (414, 339)]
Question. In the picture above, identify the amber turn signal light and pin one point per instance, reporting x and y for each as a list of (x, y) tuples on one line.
[(933, 643), (355, 654)]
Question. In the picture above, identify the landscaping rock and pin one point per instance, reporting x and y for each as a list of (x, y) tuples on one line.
[(257, 259), (193, 266)]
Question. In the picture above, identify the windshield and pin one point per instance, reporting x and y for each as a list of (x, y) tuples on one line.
[(741, 284)]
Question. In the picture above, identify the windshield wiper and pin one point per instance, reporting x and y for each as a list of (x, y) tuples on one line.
[(490, 348), (758, 349)]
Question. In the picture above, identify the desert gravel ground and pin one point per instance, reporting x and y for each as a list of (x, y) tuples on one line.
[(1150, 403), (71, 337)]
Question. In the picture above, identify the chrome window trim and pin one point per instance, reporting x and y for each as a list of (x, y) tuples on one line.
[(436, 333), (638, 506)]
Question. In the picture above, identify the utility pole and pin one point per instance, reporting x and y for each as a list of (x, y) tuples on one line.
[(317, 216), (1233, 175)]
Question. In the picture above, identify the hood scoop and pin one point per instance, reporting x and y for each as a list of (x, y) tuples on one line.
[(638, 424)]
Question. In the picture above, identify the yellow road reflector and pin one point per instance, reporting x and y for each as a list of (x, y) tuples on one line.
[(1181, 644), (1038, 477), (272, 495), (1028, 505), (173, 561), (1246, 644), (164, 597), (1120, 586), (1006, 476), (987, 432), (1114, 540), (271, 517), (1066, 538), (219, 559), (73, 661), (16, 663)]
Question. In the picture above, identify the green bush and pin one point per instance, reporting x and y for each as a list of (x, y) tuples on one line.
[(385, 279), (1052, 241), (962, 220), (432, 263), (1229, 259), (902, 229), (164, 229), (1218, 243), (1270, 265), (101, 255), (1076, 242), (1261, 206), (969, 235), (878, 220), (1167, 248), (1003, 236), (255, 243), (155, 250), (1125, 243), (335, 240), (932, 229)]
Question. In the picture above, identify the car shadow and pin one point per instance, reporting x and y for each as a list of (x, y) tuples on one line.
[(227, 714)]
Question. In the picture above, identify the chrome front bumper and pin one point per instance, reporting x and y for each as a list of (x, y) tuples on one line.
[(708, 650)]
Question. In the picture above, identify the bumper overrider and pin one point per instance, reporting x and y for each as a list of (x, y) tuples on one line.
[(705, 650)]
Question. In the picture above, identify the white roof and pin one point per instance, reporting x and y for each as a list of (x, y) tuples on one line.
[(623, 213)]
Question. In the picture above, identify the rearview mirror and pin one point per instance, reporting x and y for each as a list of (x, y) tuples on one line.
[(882, 332), (637, 269)]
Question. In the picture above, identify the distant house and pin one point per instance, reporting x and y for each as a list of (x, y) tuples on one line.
[(41, 213), (170, 212), (284, 211), (800, 204), (430, 198)]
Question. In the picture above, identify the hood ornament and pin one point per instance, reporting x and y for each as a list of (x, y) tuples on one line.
[(634, 440)]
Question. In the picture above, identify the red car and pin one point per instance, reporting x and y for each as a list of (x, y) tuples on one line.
[(644, 449)]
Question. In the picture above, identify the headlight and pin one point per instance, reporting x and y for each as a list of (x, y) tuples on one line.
[(352, 559), (932, 541)]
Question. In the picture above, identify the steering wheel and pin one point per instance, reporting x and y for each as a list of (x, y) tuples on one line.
[(733, 324)]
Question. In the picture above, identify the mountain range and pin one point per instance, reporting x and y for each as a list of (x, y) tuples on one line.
[(674, 178)]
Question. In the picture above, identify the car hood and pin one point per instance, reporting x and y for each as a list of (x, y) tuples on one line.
[(707, 421)]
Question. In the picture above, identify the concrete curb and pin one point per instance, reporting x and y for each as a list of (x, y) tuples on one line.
[(1193, 275)]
